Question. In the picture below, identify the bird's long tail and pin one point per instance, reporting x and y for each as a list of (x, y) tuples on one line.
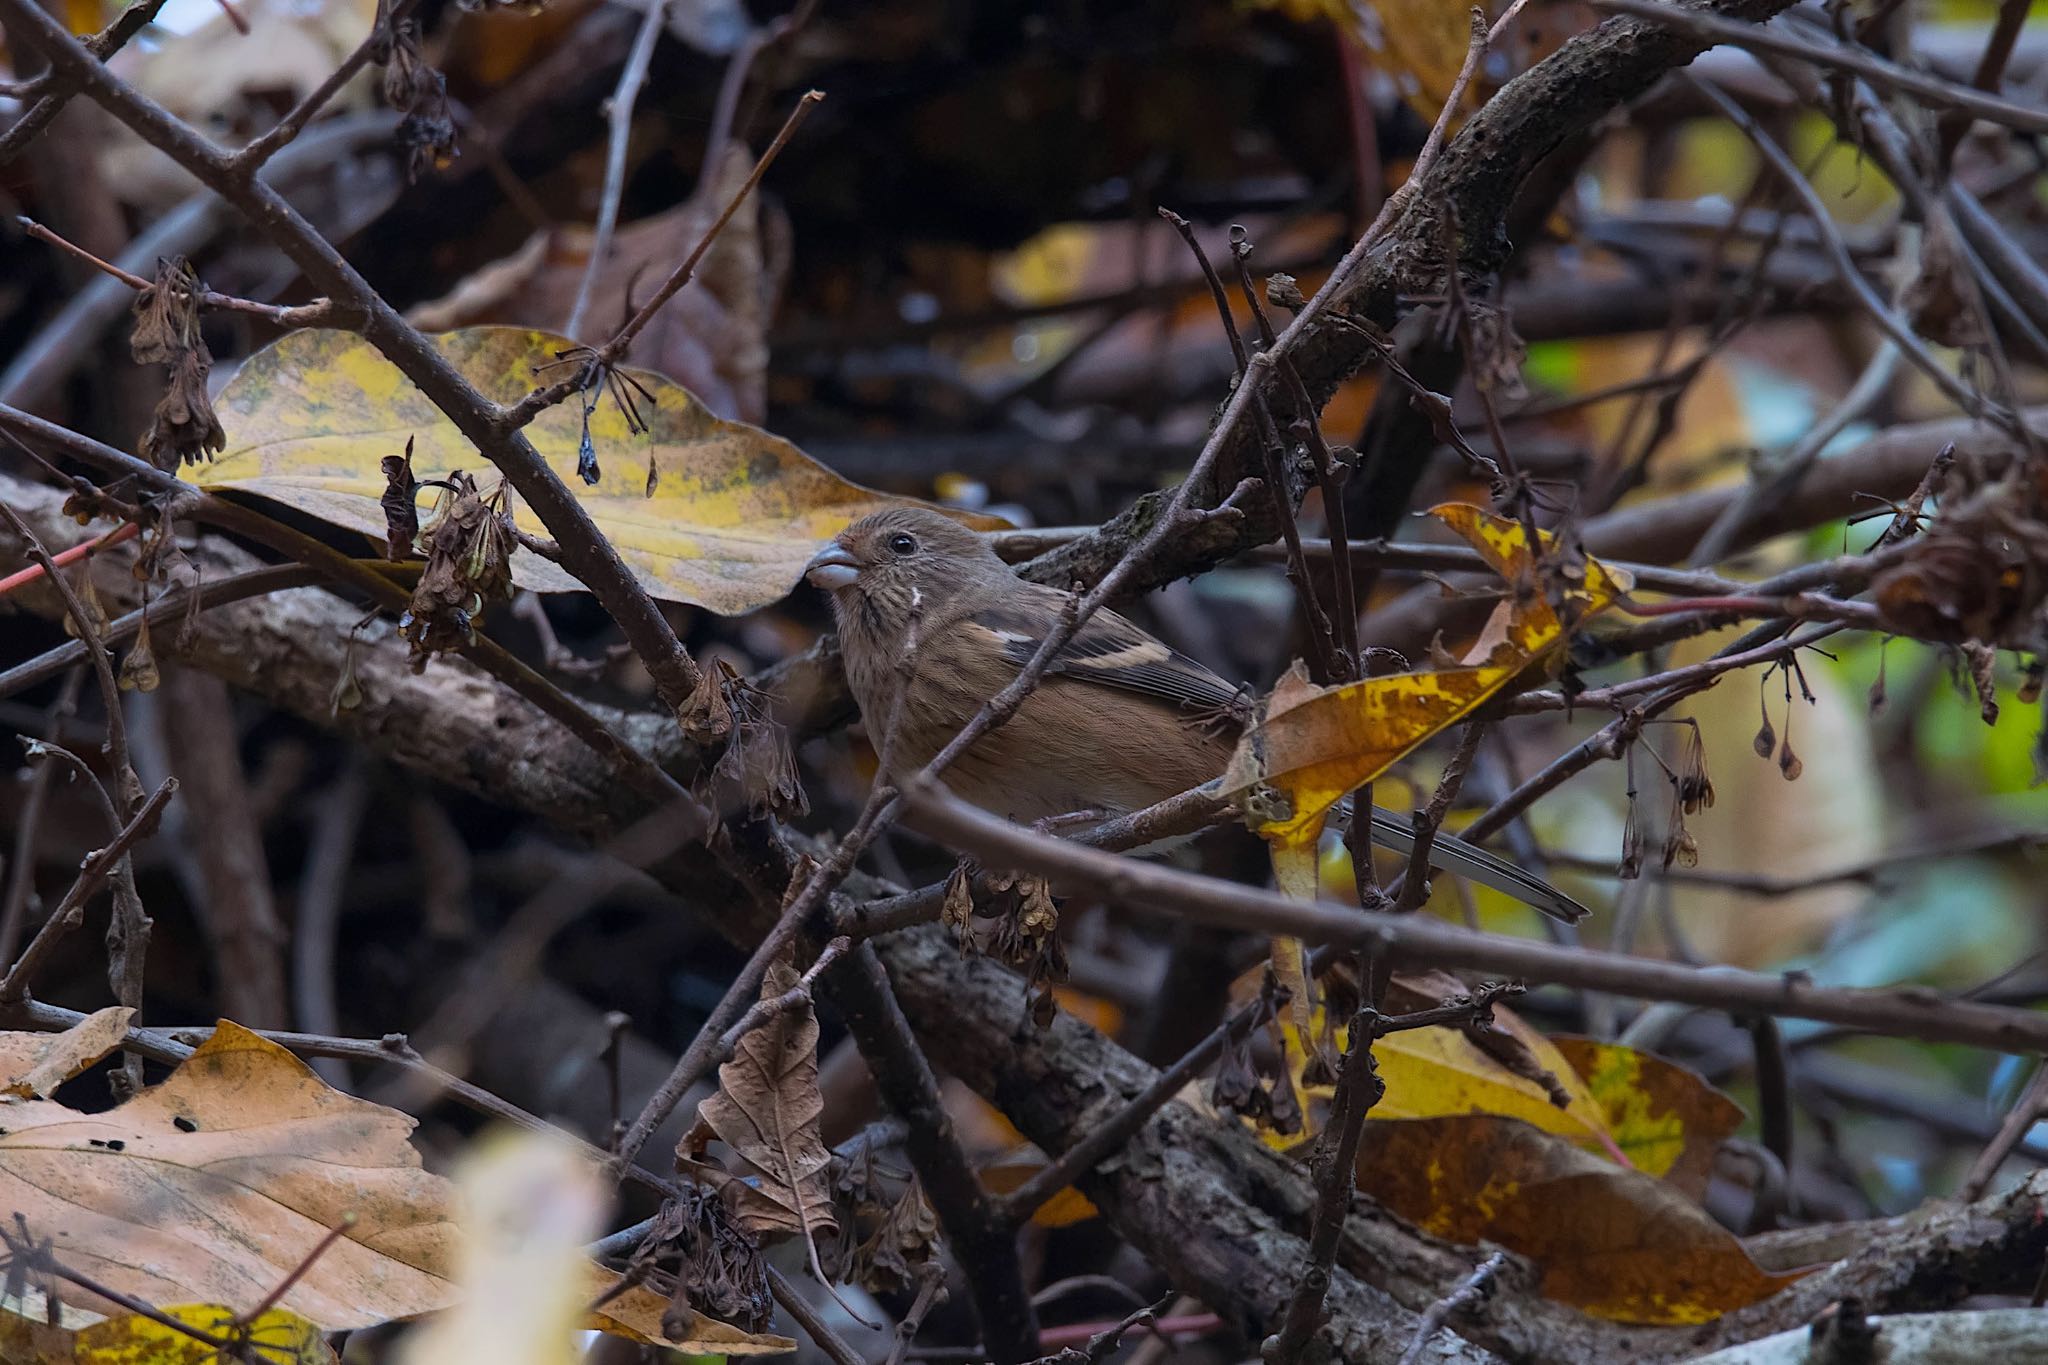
[(1448, 853)]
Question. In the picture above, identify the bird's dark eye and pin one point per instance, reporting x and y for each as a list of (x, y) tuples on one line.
[(902, 544)]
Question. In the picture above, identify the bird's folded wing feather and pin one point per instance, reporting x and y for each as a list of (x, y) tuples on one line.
[(1115, 653), (1108, 650)]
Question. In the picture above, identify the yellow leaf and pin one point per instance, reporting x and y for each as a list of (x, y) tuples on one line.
[(1666, 1119), (1434, 1072), (1610, 1241), (1422, 45), (1064, 1209), (224, 1179), (274, 1337), (34, 1064), (1313, 746), (734, 515)]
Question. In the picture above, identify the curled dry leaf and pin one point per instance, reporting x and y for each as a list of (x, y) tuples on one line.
[(1613, 1242), (767, 1110), (221, 1181), (469, 566), (904, 1244), (714, 1263), (734, 515), (34, 1064)]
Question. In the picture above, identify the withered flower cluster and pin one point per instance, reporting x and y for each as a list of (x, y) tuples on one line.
[(415, 89), (468, 547), (1021, 930), (902, 1246), (166, 333), (698, 1251), (1980, 572), (757, 770), (1251, 1077)]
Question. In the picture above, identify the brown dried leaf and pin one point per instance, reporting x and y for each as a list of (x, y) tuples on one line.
[(469, 548), (903, 1243), (217, 1183), (401, 513), (34, 1064), (767, 1110), (1667, 1120)]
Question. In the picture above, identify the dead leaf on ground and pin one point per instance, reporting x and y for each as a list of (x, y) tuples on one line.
[(734, 515), (34, 1064), (222, 1180), (712, 337), (1613, 1242)]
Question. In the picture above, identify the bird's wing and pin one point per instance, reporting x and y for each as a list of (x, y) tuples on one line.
[(1108, 650)]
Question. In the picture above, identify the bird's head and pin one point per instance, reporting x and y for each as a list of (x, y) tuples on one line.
[(899, 560)]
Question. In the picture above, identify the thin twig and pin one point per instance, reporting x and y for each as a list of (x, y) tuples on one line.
[(1909, 1011), (619, 117), (1438, 1314), (1334, 1164), (21, 870), (250, 159), (2018, 1123), (1115, 1131), (541, 399), (92, 874), (1888, 321), (1941, 94), (314, 314)]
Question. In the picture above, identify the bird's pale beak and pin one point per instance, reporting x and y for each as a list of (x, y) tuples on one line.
[(833, 567)]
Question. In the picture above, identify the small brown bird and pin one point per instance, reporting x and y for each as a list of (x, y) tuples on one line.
[(1119, 722)]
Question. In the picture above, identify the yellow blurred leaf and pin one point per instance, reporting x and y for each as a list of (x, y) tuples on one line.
[(1666, 1119), (274, 1337), (223, 1180), (1613, 1242), (1064, 1209), (1422, 45), (734, 515), (34, 1064)]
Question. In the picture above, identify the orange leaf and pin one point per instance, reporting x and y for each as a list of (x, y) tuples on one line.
[(1610, 1241), (1064, 1209)]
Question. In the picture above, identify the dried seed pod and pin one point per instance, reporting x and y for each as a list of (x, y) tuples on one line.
[(138, 670)]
